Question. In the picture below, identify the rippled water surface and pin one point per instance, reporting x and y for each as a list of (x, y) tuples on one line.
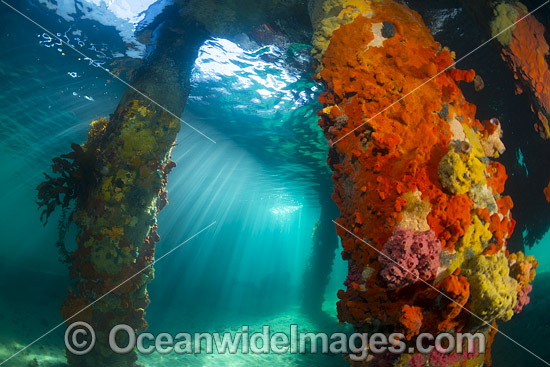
[(262, 182)]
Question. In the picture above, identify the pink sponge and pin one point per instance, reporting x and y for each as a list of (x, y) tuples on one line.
[(417, 252), (523, 298)]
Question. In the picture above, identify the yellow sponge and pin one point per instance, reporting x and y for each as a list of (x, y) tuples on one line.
[(493, 291)]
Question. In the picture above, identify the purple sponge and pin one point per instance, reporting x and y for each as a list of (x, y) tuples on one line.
[(354, 274)]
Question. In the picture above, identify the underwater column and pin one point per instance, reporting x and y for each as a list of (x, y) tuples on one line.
[(523, 44), (118, 180), (423, 218), (321, 261)]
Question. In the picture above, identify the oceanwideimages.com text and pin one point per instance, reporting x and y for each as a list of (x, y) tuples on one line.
[(80, 339)]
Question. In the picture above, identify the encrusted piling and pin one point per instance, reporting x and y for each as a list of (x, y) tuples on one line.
[(524, 47), (423, 218), (118, 182)]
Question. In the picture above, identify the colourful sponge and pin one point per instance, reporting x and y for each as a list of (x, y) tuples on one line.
[(417, 252), (493, 292)]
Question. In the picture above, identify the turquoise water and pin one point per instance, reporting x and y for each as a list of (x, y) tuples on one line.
[(260, 182), (263, 183)]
